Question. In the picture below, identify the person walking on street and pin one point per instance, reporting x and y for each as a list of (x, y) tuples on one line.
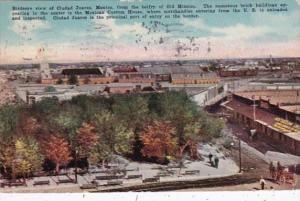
[(279, 171), (262, 183), (272, 170), (216, 162), (210, 156)]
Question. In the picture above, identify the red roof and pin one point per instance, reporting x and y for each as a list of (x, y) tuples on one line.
[(124, 70), (247, 110)]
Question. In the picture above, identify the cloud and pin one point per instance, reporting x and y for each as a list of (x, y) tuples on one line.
[(197, 24), (114, 30), (27, 28), (241, 31), (298, 1), (236, 32)]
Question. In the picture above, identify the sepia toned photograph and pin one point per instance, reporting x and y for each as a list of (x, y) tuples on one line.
[(105, 96)]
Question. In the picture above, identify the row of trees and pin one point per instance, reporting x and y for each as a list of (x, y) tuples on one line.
[(158, 126)]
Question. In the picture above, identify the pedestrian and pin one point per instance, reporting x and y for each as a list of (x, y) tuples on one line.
[(210, 157), (271, 169), (294, 182), (279, 171), (216, 162), (262, 183)]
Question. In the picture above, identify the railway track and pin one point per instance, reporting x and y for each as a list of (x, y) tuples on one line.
[(176, 185)]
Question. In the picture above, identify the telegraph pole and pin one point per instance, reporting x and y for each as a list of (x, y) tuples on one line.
[(76, 179), (240, 156)]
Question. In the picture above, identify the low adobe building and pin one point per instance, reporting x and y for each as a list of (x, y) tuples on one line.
[(274, 114), (83, 76)]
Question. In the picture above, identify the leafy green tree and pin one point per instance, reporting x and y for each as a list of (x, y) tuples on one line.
[(105, 126), (88, 107), (180, 110), (100, 153), (9, 121), (20, 157), (28, 156), (123, 140), (45, 107), (132, 111), (211, 127), (118, 137), (192, 136), (68, 122)]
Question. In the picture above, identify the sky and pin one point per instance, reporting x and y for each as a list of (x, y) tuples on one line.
[(233, 35)]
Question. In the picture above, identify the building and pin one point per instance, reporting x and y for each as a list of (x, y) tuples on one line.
[(202, 94), (32, 93), (83, 75), (46, 76), (238, 71), (211, 95), (272, 113), (201, 78), (181, 74), (136, 78)]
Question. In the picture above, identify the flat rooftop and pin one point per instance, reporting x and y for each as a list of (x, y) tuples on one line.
[(291, 108), (275, 97), (261, 116), (247, 111), (81, 71)]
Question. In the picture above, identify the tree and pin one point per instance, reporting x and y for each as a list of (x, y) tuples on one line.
[(73, 80), (68, 121), (100, 152), (45, 107), (28, 157), (29, 125), (20, 157), (87, 106), (192, 136), (86, 139), (57, 149), (123, 140), (157, 140), (118, 137), (9, 121), (180, 110), (211, 127), (7, 156), (132, 111)]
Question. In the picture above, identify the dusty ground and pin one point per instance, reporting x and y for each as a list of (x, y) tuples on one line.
[(243, 187)]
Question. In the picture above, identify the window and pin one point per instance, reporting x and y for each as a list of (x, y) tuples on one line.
[(285, 138), (280, 136)]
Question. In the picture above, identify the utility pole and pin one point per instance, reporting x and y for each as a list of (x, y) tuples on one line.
[(76, 179), (254, 111), (240, 157)]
